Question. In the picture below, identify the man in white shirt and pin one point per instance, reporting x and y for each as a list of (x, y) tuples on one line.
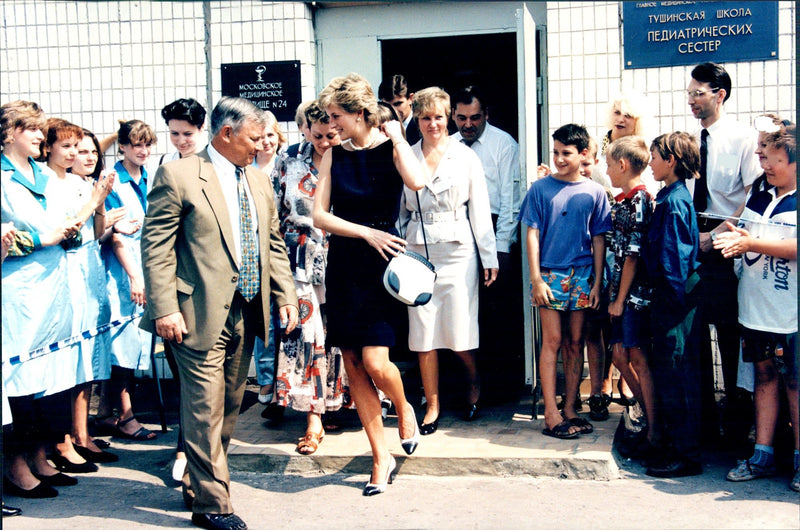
[(729, 166), (501, 324)]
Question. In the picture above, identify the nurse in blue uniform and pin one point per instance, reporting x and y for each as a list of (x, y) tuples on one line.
[(130, 346), (36, 310)]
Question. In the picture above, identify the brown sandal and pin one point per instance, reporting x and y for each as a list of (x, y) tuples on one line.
[(310, 442)]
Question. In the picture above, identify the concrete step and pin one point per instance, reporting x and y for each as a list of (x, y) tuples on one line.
[(503, 441)]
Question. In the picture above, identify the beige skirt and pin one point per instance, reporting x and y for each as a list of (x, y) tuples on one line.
[(450, 319)]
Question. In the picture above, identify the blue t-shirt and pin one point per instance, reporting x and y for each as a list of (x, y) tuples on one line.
[(567, 215)]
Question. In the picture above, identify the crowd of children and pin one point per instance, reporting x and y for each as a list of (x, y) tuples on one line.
[(653, 287)]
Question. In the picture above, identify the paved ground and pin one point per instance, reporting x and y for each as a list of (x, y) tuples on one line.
[(481, 475)]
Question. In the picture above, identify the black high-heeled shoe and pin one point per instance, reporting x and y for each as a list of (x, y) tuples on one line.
[(62, 464), (429, 428), (373, 489)]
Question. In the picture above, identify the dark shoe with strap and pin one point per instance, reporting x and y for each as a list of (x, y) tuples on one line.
[(218, 521)]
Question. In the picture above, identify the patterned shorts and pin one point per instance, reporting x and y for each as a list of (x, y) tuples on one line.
[(570, 287)]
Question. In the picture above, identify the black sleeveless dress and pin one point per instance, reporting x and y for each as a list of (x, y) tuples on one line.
[(365, 189)]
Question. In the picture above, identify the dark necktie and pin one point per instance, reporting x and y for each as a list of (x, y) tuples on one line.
[(700, 198), (248, 270)]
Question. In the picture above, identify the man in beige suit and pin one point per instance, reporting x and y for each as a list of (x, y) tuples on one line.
[(212, 256)]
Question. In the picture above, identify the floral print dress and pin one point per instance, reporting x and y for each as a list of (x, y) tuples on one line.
[(309, 376)]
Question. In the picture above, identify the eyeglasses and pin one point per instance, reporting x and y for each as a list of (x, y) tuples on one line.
[(766, 124), (694, 94)]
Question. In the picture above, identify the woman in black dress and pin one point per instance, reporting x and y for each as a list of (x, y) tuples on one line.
[(357, 201)]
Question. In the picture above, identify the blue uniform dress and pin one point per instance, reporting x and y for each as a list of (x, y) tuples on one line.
[(35, 295), (130, 345), (88, 291)]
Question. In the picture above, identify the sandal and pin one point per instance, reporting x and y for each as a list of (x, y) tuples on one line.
[(143, 434), (310, 442), (584, 426), (561, 431)]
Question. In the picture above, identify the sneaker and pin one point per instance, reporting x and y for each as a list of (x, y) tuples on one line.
[(598, 409), (795, 483), (746, 470), (634, 418)]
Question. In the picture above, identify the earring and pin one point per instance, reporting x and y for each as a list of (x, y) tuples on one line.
[(358, 120)]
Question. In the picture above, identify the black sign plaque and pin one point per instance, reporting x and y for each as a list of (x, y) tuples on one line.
[(273, 86)]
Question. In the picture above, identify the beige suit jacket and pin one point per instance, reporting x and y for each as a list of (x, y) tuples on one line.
[(188, 250)]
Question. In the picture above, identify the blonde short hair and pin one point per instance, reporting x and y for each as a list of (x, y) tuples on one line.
[(272, 121), (428, 99), (630, 148), (353, 94), (19, 113)]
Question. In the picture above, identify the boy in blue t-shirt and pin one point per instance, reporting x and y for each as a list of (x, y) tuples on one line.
[(567, 216)]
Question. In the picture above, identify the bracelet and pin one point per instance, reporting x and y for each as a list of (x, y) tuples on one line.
[(401, 142), (103, 214), (713, 236)]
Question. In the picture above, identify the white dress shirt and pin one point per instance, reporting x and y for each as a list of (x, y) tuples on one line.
[(226, 173), (499, 154), (732, 164)]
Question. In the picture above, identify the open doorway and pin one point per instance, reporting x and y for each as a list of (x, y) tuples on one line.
[(487, 60)]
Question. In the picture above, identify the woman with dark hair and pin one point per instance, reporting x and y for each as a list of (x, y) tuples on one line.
[(185, 120), (361, 181)]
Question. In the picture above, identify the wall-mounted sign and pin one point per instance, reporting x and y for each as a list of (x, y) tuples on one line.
[(273, 86), (681, 33)]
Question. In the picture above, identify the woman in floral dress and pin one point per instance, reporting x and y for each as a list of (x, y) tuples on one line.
[(309, 377)]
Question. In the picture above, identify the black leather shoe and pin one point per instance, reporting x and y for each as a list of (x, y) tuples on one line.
[(102, 457), (218, 521), (10, 511), (429, 428), (59, 479), (62, 464), (41, 491), (676, 468)]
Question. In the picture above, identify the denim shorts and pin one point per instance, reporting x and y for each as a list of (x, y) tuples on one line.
[(570, 287), (759, 346), (632, 329)]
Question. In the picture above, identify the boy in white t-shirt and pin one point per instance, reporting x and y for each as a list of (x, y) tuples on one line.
[(766, 240)]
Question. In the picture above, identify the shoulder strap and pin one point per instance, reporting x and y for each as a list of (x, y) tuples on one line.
[(422, 225)]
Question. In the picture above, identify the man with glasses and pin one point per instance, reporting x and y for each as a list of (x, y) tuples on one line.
[(728, 168)]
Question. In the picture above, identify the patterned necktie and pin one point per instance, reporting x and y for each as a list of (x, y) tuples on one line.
[(700, 198), (248, 269)]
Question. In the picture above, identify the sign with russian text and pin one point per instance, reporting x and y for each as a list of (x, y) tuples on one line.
[(680, 33), (273, 86)]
